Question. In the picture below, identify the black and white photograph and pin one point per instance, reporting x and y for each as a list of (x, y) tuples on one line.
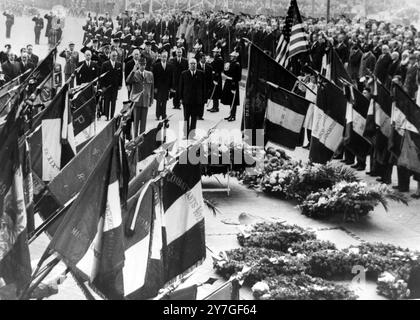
[(238, 151)]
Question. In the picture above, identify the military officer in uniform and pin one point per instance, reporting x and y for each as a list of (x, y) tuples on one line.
[(217, 64), (142, 83), (39, 25), (72, 61)]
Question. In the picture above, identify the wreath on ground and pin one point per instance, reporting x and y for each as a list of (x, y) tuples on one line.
[(289, 262)]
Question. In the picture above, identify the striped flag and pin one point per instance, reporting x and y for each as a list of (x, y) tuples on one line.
[(90, 237), (329, 121), (293, 39), (183, 220), (52, 140), (15, 264), (74, 176), (262, 66), (285, 116), (356, 114)]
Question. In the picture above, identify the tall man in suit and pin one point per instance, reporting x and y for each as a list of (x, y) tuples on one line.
[(33, 58), (111, 83), (10, 68), (142, 88), (180, 65), (208, 76), (25, 65), (88, 70), (163, 75), (72, 61), (192, 93)]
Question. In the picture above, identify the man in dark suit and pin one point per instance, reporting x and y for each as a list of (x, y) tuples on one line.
[(33, 58), (163, 77), (382, 65), (208, 76), (88, 70), (343, 50), (192, 93), (25, 65), (10, 68), (111, 83), (180, 65)]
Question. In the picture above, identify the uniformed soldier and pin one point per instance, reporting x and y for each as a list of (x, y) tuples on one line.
[(218, 65), (72, 61), (39, 25)]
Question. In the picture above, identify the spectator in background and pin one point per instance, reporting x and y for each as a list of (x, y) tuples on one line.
[(10, 21)]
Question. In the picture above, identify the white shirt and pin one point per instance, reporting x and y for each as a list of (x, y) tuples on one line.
[(164, 66), (112, 64), (193, 73)]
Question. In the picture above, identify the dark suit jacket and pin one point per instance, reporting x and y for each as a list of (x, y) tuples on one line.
[(178, 69), (87, 74), (343, 52), (163, 80), (34, 59), (23, 69), (129, 66), (192, 90), (113, 78), (208, 77), (381, 68), (10, 70)]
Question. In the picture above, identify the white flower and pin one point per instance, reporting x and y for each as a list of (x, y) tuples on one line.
[(322, 201), (260, 288)]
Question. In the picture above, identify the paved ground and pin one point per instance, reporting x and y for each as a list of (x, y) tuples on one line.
[(401, 225)]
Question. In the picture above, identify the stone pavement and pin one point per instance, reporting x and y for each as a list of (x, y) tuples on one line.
[(400, 226)]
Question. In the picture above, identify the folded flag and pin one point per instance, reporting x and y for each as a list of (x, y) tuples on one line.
[(285, 116)]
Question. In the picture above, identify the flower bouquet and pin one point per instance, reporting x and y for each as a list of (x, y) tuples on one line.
[(300, 287), (353, 200), (276, 236)]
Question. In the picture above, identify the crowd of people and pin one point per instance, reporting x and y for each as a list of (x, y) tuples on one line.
[(196, 59)]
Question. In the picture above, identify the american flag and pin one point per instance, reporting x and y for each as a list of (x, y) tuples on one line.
[(293, 39)]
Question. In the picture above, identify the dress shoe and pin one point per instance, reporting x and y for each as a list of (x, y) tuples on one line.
[(177, 108), (396, 187), (213, 110), (355, 166), (227, 118), (360, 168), (415, 196), (201, 118), (307, 147), (372, 173), (343, 161), (232, 119)]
